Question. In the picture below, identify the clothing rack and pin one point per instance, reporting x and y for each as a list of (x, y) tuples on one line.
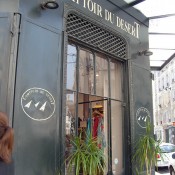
[(90, 105), (93, 101)]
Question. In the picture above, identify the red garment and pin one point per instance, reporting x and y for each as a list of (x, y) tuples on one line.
[(95, 126)]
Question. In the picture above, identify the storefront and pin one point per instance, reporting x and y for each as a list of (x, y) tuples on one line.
[(60, 66)]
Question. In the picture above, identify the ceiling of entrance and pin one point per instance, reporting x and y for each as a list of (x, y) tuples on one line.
[(161, 14)]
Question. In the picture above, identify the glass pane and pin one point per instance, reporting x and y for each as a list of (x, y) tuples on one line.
[(100, 127), (86, 72), (93, 119), (159, 25), (156, 60), (101, 76), (167, 148), (117, 138), (106, 147), (69, 121), (158, 41), (156, 8), (71, 67), (116, 80)]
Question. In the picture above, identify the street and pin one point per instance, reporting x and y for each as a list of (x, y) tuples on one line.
[(162, 171)]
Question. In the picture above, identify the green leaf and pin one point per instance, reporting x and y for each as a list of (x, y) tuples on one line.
[(145, 151), (86, 155)]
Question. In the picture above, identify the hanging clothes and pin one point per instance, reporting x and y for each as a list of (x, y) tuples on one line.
[(98, 131), (95, 126), (88, 129)]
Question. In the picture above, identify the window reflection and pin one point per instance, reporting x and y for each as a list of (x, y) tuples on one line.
[(69, 120), (101, 76), (116, 80), (70, 113), (86, 72), (117, 137), (71, 67)]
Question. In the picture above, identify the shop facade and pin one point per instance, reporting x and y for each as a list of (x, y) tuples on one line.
[(58, 66)]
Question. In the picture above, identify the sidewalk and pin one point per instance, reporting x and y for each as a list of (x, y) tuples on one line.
[(162, 173)]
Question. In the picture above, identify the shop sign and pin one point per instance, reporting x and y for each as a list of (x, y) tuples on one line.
[(93, 7), (38, 104)]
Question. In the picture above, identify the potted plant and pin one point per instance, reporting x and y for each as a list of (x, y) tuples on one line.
[(145, 151), (85, 156)]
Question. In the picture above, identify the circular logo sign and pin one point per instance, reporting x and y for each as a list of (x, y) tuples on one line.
[(142, 115), (38, 104)]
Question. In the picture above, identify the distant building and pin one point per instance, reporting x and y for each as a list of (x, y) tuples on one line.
[(164, 101)]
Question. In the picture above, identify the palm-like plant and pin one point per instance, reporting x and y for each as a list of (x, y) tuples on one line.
[(146, 150), (86, 155)]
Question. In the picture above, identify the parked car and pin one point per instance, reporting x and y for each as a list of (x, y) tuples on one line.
[(172, 165), (166, 158)]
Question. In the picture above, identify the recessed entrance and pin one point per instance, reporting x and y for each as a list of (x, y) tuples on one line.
[(94, 99)]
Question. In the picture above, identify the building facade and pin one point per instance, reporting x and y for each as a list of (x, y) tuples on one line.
[(58, 64), (164, 101)]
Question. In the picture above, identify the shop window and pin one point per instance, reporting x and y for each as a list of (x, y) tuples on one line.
[(70, 121), (117, 137), (88, 107), (116, 80), (102, 83), (93, 119), (70, 112), (86, 72), (71, 67)]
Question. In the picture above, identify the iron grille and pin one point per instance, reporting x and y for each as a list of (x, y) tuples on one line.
[(92, 34)]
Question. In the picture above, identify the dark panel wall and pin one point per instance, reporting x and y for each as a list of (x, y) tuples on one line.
[(32, 10), (38, 66), (142, 99), (141, 105), (5, 45)]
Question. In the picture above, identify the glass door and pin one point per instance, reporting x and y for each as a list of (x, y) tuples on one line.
[(93, 121), (94, 98)]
